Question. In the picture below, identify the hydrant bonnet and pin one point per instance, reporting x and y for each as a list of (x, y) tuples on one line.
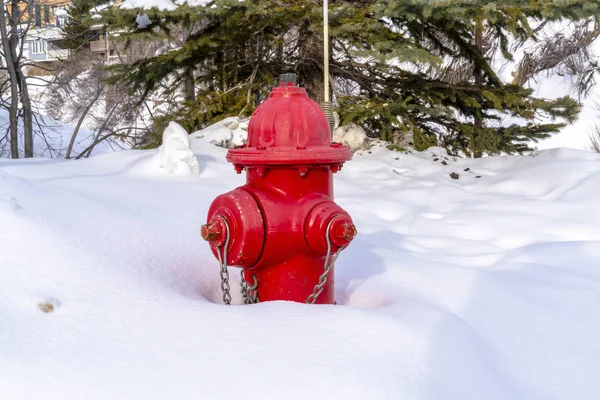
[(289, 128)]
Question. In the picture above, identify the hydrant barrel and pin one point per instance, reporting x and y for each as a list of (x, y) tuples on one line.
[(284, 229)]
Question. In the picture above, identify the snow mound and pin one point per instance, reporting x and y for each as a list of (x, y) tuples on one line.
[(482, 286), (351, 135), (228, 133), (143, 21), (175, 155)]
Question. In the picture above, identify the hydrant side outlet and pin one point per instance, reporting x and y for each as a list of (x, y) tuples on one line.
[(283, 223)]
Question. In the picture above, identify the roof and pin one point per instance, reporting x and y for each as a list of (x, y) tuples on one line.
[(48, 33)]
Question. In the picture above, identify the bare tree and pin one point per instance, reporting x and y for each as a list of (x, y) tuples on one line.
[(81, 94), (15, 22), (10, 65), (595, 139), (565, 53)]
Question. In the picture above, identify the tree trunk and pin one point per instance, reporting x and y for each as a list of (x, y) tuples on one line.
[(17, 18), (310, 67), (82, 118), (190, 85), (479, 84), (88, 151), (27, 114), (14, 89)]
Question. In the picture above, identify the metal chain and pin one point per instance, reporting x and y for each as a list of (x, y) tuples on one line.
[(225, 288), (328, 265), (249, 293)]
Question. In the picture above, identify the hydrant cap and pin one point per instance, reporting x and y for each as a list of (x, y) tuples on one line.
[(289, 118), (289, 129)]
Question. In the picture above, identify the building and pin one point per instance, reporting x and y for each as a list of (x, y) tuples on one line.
[(44, 45), (43, 41), (45, 12), (50, 12)]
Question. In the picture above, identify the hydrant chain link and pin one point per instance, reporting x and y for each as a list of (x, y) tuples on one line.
[(250, 293), (225, 287), (328, 265)]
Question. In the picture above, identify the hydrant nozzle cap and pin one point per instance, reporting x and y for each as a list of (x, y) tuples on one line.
[(212, 232), (342, 231), (346, 231)]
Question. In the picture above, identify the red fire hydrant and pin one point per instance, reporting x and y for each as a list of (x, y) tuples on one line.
[(283, 227)]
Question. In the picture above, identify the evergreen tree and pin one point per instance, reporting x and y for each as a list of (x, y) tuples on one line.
[(473, 105), (76, 32), (387, 64)]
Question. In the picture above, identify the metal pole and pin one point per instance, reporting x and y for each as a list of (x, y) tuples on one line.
[(326, 47), (326, 105)]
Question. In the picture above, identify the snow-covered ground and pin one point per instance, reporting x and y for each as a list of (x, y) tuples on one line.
[(51, 138), (481, 287)]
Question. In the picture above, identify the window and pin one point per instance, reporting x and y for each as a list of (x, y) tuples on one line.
[(38, 47), (47, 13), (38, 15)]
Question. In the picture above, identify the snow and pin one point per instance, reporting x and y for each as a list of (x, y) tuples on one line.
[(165, 5), (481, 287), (143, 21), (148, 4), (577, 135), (175, 155), (550, 85), (195, 3), (50, 137), (230, 132), (48, 33), (351, 135)]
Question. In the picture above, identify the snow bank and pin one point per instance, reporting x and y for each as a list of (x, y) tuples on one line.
[(230, 132), (479, 286), (351, 135), (174, 155)]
